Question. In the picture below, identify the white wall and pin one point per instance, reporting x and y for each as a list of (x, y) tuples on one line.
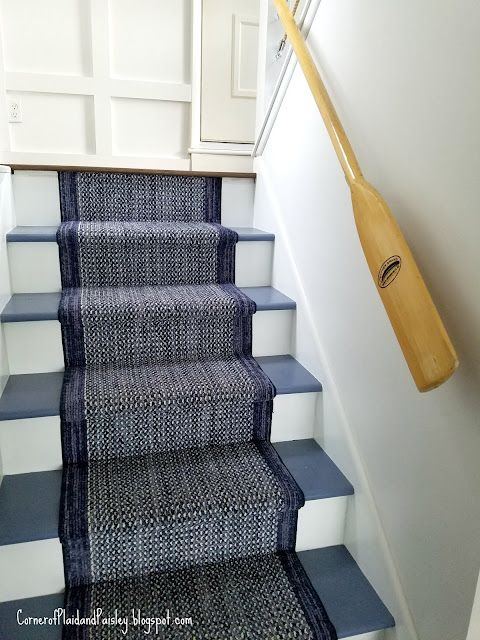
[(404, 77)]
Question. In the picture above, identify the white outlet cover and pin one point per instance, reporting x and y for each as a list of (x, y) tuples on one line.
[(14, 110)]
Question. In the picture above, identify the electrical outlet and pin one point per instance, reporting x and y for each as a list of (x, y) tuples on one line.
[(14, 110)]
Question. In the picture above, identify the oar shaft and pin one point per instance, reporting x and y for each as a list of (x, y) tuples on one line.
[(334, 127)]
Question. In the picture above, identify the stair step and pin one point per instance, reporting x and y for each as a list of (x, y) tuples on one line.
[(34, 342), (288, 375), (315, 473), (35, 267), (31, 395), (28, 307), (29, 503), (351, 602), (35, 395), (32, 234), (49, 234), (248, 234), (31, 553)]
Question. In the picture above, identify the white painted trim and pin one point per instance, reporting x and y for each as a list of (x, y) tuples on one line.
[(101, 71), (49, 83), (305, 22), (117, 87), (166, 163), (170, 91), (222, 162), (397, 603), (262, 61), (223, 151), (196, 71), (5, 169)]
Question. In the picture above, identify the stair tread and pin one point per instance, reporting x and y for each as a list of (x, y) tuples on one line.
[(314, 471), (25, 307), (29, 506), (33, 234), (288, 375), (269, 299), (250, 234), (35, 395), (29, 502), (351, 602), (31, 395), (49, 234)]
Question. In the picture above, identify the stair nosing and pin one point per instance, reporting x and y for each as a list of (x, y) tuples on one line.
[(48, 233)]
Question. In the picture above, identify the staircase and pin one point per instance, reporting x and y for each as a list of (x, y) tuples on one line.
[(31, 562)]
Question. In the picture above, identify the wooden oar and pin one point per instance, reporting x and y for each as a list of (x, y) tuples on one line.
[(419, 329)]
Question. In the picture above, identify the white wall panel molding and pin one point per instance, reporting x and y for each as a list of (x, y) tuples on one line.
[(170, 91), (150, 40), (52, 36), (101, 68), (48, 83), (99, 83), (244, 56)]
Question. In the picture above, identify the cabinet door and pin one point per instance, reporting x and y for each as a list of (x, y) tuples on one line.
[(229, 70)]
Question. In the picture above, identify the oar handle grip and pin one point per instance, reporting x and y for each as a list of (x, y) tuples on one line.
[(341, 144)]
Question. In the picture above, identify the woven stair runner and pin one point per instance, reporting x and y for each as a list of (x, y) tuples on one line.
[(175, 506)]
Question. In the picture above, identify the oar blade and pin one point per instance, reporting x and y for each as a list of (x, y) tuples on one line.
[(421, 334)]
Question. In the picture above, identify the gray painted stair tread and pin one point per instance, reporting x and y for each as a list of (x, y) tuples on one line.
[(49, 234), (31, 395), (32, 234), (268, 298), (39, 607), (24, 307), (29, 502), (247, 234), (350, 600), (35, 395), (315, 473), (288, 375)]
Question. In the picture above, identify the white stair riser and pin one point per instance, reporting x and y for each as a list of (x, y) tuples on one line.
[(35, 267), (36, 347), (37, 200), (36, 568), (33, 444), (30, 445)]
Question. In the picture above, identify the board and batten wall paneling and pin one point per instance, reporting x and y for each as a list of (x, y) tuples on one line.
[(99, 82)]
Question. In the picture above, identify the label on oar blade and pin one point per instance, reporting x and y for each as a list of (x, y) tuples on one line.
[(389, 271)]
